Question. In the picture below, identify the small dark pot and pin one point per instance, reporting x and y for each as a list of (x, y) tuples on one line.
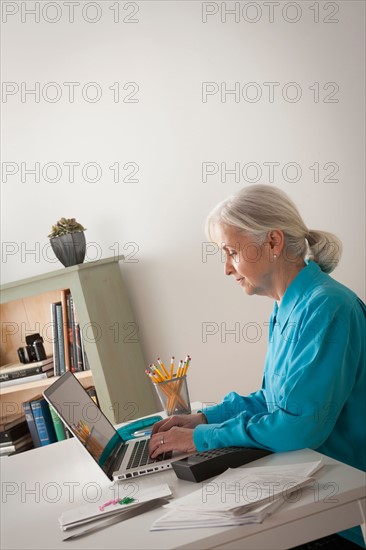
[(69, 249)]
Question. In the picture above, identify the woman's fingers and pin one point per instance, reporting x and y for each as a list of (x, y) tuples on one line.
[(175, 420), (164, 424), (175, 439)]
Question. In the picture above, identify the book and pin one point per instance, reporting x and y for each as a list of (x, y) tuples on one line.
[(25, 447), (69, 435), (43, 421), (74, 335), (79, 355), (23, 443), (60, 338), (70, 331), (86, 365), (12, 434), (10, 421), (22, 438), (56, 359), (22, 380), (31, 423), (64, 296), (20, 370), (57, 424)]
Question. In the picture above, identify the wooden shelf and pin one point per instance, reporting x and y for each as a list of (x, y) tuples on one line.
[(104, 313), (12, 397), (85, 377)]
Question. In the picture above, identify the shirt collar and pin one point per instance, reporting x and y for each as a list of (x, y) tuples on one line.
[(295, 290)]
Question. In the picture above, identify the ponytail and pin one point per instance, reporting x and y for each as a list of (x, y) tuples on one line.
[(325, 249)]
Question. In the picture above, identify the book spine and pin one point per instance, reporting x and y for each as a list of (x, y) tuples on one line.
[(15, 449), (73, 328), (31, 423), (8, 436), (60, 338), (43, 421), (64, 294), (7, 450), (22, 373), (24, 379), (69, 332), (86, 362), (57, 424), (86, 365), (68, 434), (56, 360), (80, 364), (16, 444)]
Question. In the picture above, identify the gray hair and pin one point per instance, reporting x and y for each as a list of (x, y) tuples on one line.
[(258, 209)]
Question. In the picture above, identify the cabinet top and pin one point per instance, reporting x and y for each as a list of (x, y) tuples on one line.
[(61, 272)]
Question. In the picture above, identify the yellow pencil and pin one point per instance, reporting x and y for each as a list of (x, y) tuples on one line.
[(164, 369), (159, 370), (156, 371), (180, 368), (171, 367), (188, 359), (152, 375)]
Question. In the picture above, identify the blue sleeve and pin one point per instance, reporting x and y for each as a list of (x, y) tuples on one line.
[(233, 405), (311, 386)]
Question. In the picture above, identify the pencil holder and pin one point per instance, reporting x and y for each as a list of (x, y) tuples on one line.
[(174, 396)]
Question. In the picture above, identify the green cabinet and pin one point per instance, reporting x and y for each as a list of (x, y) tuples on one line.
[(110, 334)]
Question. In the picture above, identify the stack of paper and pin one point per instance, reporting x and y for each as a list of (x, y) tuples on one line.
[(124, 504), (236, 497)]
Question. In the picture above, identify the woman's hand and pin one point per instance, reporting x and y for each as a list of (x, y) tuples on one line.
[(175, 434), (176, 439), (181, 420)]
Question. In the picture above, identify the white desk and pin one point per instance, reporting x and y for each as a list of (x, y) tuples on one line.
[(37, 486)]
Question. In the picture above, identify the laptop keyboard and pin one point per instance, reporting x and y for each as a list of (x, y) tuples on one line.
[(140, 455)]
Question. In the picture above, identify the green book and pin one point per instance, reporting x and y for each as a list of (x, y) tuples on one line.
[(58, 425)]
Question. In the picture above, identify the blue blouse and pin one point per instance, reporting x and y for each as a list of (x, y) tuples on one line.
[(313, 389)]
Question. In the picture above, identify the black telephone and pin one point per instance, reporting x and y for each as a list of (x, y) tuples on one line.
[(203, 465)]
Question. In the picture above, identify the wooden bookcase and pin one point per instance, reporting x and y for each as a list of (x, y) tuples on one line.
[(109, 332)]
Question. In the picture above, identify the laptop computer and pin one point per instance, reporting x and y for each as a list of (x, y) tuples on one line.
[(119, 459)]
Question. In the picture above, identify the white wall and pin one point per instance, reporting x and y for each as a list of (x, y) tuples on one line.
[(169, 132)]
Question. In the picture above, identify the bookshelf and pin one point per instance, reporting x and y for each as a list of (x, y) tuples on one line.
[(109, 332)]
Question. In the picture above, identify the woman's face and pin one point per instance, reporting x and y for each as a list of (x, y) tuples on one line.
[(252, 265)]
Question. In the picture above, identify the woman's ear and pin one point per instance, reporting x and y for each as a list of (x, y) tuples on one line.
[(276, 240)]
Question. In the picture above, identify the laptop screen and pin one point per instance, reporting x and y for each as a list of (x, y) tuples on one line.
[(85, 420)]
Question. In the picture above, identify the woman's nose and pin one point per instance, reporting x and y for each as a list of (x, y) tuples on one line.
[(229, 268)]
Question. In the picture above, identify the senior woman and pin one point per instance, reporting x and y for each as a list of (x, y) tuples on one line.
[(313, 390)]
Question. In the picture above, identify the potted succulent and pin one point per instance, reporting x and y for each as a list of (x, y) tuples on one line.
[(68, 241)]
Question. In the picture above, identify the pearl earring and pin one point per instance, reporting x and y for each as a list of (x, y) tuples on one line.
[(275, 256)]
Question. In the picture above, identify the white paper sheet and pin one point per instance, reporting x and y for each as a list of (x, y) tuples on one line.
[(92, 512), (238, 496)]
